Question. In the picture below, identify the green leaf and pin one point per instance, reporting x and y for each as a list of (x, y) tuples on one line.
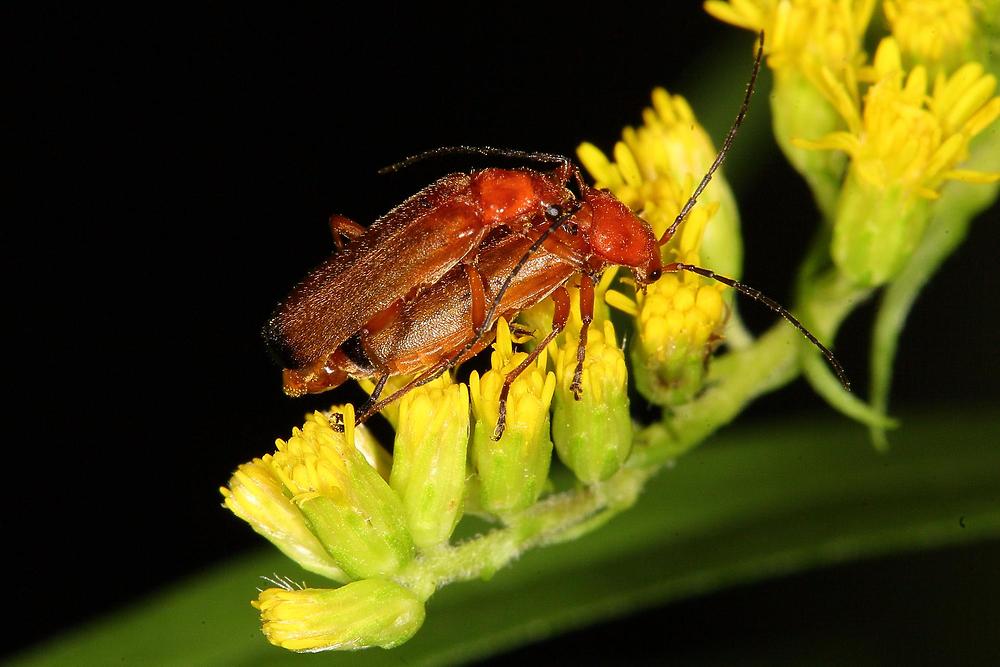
[(753, 503)]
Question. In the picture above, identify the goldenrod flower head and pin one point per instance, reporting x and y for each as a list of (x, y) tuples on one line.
[(347, 504), (802, 34), (657, 165), (593, 435), (428, 470), (932, 32), (680, 320), (805, 41), (903, 137), (904, 142), (314, 461), (530, 395), (655, 170), (670, 145), (513, 470), (359, 615), (680, 323), (256, 495)]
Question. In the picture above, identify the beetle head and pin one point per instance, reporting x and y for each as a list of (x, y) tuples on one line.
[(619, 236)]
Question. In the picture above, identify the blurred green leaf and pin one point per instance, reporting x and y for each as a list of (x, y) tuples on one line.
[(754, 502)]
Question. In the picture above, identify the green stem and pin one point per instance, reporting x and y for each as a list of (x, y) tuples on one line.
[(740, 377), (557, 518), (736, 379)]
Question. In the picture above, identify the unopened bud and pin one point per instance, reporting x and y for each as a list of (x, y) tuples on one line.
[(513, 470), (593, 435), (362, 614), (429, 465)]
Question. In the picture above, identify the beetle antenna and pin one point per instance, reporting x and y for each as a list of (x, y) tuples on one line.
[(726, 145), (760, 297), (486, 151)]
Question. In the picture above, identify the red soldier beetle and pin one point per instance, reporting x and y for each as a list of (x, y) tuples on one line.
[(413, 245), (414, 327), (313, 332)]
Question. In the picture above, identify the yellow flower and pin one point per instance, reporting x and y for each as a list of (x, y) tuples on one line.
[(802, 34), (428, 469), (904, 142), (805, 41), (593, 435), (513, 470), (932, 32), (257, 496), (655, 169), (681, 320), (359, 615), (901, 136), (348, 506)]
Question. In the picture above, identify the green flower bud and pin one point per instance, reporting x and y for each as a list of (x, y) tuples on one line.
[(429, 464), (362, 614), (348, 506), (593, 435), (800, 111), (512, 471), (876, 230), (721, 243)]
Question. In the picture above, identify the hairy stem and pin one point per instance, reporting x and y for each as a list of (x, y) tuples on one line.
[(736, 379), (557, 518)]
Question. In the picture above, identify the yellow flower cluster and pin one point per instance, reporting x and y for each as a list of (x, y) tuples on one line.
[(530, 395), (904, 135), (931, 31), (804, 35), (681, 316), (512, 471)]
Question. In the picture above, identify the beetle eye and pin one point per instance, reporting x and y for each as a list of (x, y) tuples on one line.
[(654, 275), (553, 211)]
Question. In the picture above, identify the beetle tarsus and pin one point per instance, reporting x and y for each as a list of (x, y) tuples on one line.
[(586, 317), (501, 415), (376, 393)]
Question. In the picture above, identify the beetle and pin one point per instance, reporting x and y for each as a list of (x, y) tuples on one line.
[(413, 245), (519, 236), (315, 332), (425, 335)]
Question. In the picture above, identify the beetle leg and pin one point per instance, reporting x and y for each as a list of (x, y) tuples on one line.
[(346, 228), (559, 317), (477, 287), (371, 407), (586, 316), (376, 392)]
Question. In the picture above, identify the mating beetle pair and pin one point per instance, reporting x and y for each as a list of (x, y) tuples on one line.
[(420, 290)]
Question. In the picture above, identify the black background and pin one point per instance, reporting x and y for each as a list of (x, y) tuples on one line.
[(173, 172)]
